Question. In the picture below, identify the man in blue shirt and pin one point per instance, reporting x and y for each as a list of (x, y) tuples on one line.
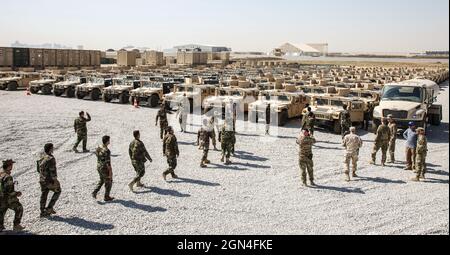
[(411, 143)]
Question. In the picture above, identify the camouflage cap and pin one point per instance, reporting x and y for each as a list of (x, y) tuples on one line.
[(7, 163)]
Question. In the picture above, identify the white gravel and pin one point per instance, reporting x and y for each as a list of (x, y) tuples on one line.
[(259, 194)]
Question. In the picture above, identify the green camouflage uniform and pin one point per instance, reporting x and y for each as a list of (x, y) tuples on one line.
[(381, 142), (138, 155), (227, 138), (309, 123), (9, 199), (346, 122), (170, 150), (48, 180), (306, 157), (163, 122), (104, 169), (212, 132), (81, 130), (392, 141), (421, 154), (203, 137)]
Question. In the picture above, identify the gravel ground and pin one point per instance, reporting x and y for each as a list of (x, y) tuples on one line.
[(259, 194)]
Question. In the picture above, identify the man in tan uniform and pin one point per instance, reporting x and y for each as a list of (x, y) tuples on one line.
[(381, 142), (352, 143)]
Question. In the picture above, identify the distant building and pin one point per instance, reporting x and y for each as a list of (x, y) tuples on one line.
[(312, 50), (153, 58), (127, 58), (203, 48), (192, 57)]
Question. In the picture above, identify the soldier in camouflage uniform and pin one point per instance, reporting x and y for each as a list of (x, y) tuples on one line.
[(352, 143), (9, 198), (393, 129), (212, 132), (138, 155), (104, 169), (48, 180), (381, 142), (163, 122), (170, 150), (203, 137), (346, 121), (310, 122), (81, 131), (306, 141), (227, 138), (421, 154)]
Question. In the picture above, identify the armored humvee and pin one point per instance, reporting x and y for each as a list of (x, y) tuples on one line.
[(19, 80), (120, 90), (45, 84), (151, 92), (328, 110), (67, 87), (194, 92), (288, 103), (92, 89), (242, 97)]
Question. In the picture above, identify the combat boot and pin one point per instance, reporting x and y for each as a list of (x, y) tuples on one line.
[(207, 162), (18, 228), (383, 164), (422, 176), (139, 184), (347, 177), (75, 150), (44, 214), (174, 176), (228, 162), (415, 179), (108, 199), (354, 175), (202, 165), (372, 162), (222, 159), (164, 175), (304, 183), (86, 151), (312, 183), (132, 184), (94, 195), (51, 211)]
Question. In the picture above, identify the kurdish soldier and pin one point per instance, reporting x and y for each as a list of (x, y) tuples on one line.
[(421, 154), (306, 141), (212, 132), (81, 131), (183, 113), (305, 113), (310, 121), (171, 152), (9, 198), (203, 137), (393, 129), (227, 138), (268, 115), (104, 169), (352, 143), (163, 122), (381, 142), (346, 121), (48, 180), (138, 155)]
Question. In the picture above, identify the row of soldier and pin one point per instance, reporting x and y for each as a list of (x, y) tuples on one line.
[(48, 178)]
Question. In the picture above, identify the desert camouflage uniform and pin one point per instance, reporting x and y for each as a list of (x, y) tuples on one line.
[(306, 157), (381, 142), (81, 130), (212, 132), (48, 180), (104, 169), (393, 130), (138, 155), (346, 122), (9, 200), (421, 154), (203, 137), (163, 122), (227, 138), (352, 144), (170, 150)]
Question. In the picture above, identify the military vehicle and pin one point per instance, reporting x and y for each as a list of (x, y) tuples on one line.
[(45, 84), (120, 90), (93, 88), (19, 80), (287, 104), (328, 110), (410, 101), (242, 97), (370, 98), (67, 87), (194, 92), (151, 92)]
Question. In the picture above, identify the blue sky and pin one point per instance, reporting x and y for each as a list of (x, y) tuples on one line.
[(347, 25)]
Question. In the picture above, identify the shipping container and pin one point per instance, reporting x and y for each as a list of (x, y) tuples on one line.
[(37, 58), (21, 57), (74, 58), (6, 57), (62, 58), (85, 58), (49, 57)]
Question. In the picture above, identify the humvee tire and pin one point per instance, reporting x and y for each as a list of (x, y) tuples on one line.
[(95, 94), (46, 90), (282, 118), (34, 90), (153, 101), (106, 98), (58, 92), (2, 86), (337, 127), (123, 98), (435, 120), (80, 95), (12, 86), (70, 92)]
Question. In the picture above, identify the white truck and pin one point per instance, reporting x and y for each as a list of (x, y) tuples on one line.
[(410, 101)]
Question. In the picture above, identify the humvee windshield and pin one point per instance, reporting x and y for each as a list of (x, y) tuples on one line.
[(321, 102), (235, 93), (185, 89), (222, 93), (357, 106), (148, 84), (337, 103), (284, 98), (402, 93)]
